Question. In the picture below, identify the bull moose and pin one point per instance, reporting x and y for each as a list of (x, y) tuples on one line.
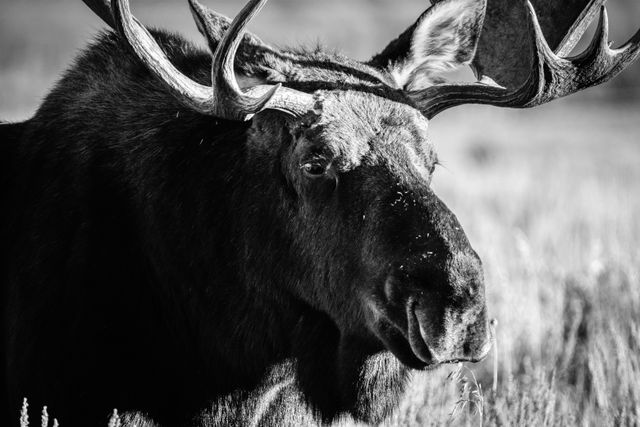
[(175, 223)]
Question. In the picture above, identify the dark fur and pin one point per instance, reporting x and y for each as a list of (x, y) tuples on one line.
[(154, 261)]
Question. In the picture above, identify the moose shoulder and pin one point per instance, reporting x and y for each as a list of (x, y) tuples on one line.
[(178, 225)]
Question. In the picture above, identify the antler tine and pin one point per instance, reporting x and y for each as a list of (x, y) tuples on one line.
[(225, 99), (223, 76), (578, 29), (192, 94), (553, 77), (230, 100)]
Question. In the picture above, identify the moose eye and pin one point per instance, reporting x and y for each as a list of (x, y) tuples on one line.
[(314, 169)]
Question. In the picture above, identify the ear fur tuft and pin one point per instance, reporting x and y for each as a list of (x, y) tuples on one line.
[(445, 37)]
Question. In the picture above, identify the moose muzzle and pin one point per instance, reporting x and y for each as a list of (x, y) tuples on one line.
[(430, 308)]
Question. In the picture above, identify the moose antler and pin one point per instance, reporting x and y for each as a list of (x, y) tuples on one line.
[(224, 99), (504, 51), (552, 77), (211, 24)]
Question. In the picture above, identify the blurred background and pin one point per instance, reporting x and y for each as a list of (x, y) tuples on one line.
[(550, 199)]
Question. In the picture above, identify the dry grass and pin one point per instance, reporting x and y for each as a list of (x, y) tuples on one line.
[(549, 198)]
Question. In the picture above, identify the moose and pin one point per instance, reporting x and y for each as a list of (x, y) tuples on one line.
[(176, 223)]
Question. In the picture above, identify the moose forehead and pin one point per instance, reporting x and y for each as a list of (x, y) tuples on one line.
[(359, 128)]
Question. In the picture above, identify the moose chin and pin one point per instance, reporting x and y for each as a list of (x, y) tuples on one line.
[(177, 223)]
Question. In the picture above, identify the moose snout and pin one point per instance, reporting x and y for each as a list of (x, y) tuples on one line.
[(430, 307), (439, 310), (451, 335)]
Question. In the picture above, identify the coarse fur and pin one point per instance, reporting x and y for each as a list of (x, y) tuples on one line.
[(9, 137), (160, 261)]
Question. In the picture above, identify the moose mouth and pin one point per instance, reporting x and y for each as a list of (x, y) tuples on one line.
[(407, 340)]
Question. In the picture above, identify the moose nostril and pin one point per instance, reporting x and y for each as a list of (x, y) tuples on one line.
[(396, 285), (403, 279), (389, 288)]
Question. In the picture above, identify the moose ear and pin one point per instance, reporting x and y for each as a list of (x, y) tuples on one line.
[(445, 37)]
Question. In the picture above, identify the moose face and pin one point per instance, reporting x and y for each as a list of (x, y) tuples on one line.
[(382, 255), (369, 243)]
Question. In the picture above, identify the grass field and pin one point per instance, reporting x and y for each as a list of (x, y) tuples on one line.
[(550, 199)]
